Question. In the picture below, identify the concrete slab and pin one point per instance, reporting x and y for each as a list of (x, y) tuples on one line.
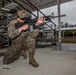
[(51, 62)]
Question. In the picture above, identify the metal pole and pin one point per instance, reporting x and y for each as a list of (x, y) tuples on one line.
[(3, 3), (37, 13), (7, 32), (59, 22)]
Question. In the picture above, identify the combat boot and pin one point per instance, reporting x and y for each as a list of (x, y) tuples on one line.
[(24, 54), (32, 61)]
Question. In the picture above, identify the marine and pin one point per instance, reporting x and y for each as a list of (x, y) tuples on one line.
[(23, 40)]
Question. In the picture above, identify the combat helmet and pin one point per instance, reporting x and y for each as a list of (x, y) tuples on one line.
[(22, 13)]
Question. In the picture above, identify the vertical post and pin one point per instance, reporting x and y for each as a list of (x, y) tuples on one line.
[(63, 34), (73, 34), (59, 22), (37, 13), (7, 35), (3, 3)]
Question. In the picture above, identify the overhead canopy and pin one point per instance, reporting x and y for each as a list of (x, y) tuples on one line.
[(40, 4)]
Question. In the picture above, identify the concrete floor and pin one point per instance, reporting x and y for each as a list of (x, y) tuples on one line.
[(51, 62)]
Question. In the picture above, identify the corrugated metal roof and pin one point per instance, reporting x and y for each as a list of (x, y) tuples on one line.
[(41, 4)]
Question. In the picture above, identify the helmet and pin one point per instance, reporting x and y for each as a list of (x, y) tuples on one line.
[(22, 13)]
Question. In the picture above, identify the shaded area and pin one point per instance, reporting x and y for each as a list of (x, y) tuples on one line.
[(69, 40), (2, 54)]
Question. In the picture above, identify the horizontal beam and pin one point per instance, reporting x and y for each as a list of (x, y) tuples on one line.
[(45, 2)]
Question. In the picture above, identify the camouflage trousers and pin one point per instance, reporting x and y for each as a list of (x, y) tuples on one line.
[(19, 44)]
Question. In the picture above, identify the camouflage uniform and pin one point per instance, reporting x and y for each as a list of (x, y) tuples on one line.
[(24, 40)]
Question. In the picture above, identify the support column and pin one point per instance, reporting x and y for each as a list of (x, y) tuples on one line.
[(63, 34), (59, 22), (3, 3)]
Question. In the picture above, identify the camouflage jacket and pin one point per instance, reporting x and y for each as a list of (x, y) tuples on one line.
[(13, 32)]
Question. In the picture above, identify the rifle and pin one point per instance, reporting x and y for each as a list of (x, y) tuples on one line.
[(29, 21)]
